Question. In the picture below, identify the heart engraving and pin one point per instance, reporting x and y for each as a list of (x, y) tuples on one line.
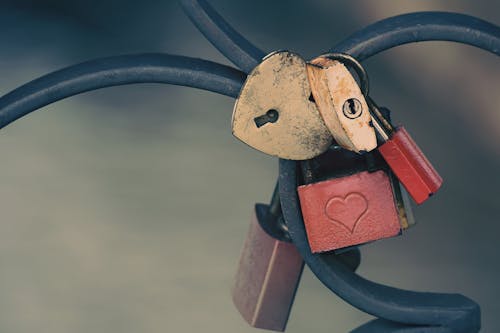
[(347, 211)]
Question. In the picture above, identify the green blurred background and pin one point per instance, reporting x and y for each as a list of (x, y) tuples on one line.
[(125, 209)]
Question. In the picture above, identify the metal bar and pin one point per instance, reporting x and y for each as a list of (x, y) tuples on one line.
[(420, 27), (228, 41), (115, 71), (384, 326)]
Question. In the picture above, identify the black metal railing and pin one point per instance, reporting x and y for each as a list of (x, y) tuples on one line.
[(397, 310)]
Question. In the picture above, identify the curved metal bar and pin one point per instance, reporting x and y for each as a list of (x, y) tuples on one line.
[(449, 310), (228, 41), (119, 70), (384, 326), (419, 27)]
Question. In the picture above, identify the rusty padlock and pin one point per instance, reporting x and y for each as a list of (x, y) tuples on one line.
[(293, 109), (270, 268), (269, 271), (405, 158), (341, 103), (274, 113), (360, 204)]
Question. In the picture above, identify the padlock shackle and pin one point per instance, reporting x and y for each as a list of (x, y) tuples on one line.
[(383, 127), (351, 62)]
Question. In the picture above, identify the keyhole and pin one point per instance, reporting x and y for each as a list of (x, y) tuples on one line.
[(352, 108), (271, 116)]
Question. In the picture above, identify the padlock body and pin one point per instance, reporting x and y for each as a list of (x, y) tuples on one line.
[(267, 278), (411, 166), (279, 84), (349, 210)]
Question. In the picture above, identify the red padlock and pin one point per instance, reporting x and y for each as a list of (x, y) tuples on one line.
[(268, 274), (351, 209), (405, 158)]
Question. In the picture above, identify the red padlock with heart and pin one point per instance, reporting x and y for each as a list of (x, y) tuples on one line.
[(355, 207)]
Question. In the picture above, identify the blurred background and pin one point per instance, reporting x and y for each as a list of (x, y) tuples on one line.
[(125, 209)]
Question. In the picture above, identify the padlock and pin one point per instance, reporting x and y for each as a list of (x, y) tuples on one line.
[(401, 196), (400, 151), (268, 274), (270, 268), (357, 206), (274, 113), (342, 105), (291, 109), (405, 158)]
